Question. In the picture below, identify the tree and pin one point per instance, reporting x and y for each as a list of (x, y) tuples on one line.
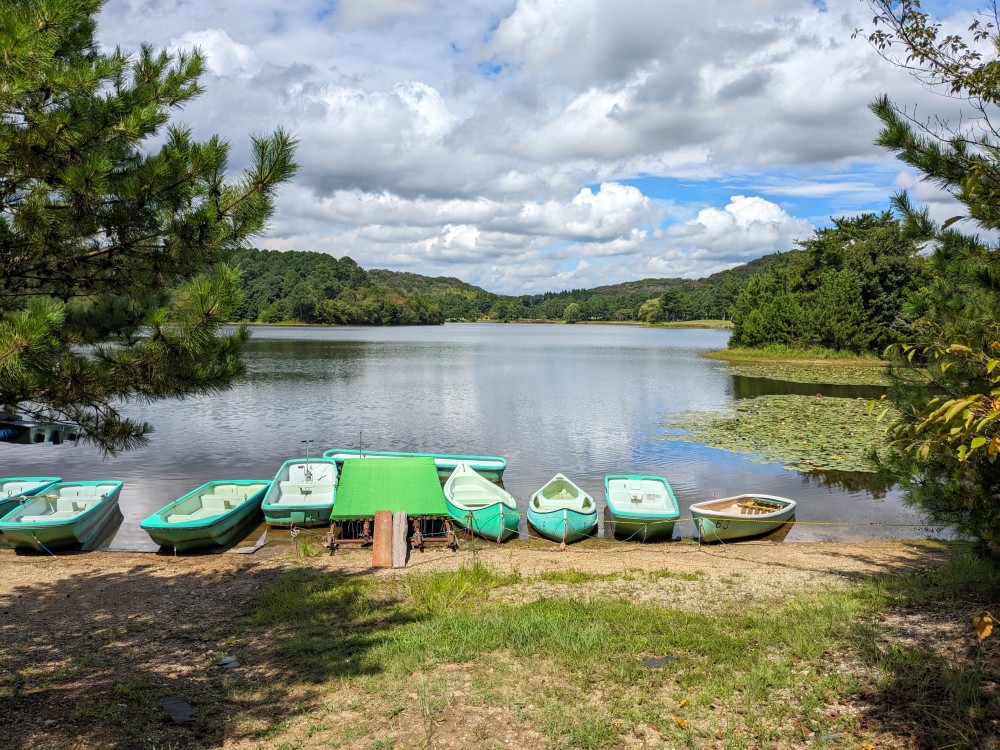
[(675, 305), (946, 445), (110, 291), (651, 311), (572, 313)]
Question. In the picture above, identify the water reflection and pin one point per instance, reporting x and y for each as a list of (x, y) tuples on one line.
[(582, 400), (747, 387), (852, 481)]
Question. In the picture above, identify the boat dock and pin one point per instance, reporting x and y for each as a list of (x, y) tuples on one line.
[(408, 485)]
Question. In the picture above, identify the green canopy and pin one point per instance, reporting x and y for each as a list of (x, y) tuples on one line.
[(370, 484)]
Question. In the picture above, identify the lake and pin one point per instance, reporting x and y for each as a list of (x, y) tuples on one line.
[(584, 400)]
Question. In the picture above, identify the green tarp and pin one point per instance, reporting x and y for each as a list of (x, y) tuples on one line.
[(370, 484)]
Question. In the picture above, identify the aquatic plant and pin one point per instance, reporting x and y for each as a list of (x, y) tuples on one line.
[(806, 433)]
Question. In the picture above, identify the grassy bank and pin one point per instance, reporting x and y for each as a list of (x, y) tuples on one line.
[(780, 354), (458, 659), (738, 646)]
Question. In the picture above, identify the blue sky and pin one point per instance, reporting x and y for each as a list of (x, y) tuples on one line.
[(537, 145)]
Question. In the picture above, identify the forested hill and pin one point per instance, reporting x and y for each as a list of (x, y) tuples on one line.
[(310, 287)]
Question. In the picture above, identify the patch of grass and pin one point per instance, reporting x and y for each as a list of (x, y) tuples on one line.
[(572, 576), (778, 353), (707, 323), (693, 575), (814, 374), (574, 670), (438, 593)]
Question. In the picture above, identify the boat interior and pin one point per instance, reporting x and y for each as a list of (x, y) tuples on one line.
[(743, 506), (559, 494), (472, 494), (19, 487), (306, 483), (61, 503), (640, 494), (212, 501)]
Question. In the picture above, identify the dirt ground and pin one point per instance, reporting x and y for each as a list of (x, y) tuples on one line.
[(81, 627)]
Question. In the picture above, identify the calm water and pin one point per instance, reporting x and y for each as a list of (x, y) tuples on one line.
[(582, 400)]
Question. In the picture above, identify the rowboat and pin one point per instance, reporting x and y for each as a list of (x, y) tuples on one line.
[(491, 467), (479, 505), (212, 515), (641, 508), (562, 511), (13, 490), (64, 514), (741, 516), (302, 493)]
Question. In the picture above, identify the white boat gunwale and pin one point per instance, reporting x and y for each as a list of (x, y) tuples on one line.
[(786, 503), (659, 512), (158, 519), (42, 523)]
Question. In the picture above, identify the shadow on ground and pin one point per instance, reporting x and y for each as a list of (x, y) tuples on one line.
[(85, 656)]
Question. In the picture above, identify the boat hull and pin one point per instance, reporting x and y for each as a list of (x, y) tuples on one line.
[(718, 526), (562, 512), (496, 522), (640, 508), (491, 467), (479, 505), (212, 531), (563, 525), (25, 528), (631, 528), (12, 489)]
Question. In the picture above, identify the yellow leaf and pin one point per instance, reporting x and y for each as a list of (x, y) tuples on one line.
[(983, 623), (681, 723), (683, 703)]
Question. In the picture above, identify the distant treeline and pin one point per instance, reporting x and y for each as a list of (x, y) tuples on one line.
[(845, 289), (310, 287)]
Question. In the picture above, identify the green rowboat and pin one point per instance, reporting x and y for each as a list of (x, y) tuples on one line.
[(302, 493), (491, 467), (563, 512), (213, 515), (641, 508), (65, 514), (479, 505), (741, 516), (13, 490)]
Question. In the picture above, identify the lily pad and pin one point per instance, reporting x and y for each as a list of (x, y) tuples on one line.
[(804, 433)]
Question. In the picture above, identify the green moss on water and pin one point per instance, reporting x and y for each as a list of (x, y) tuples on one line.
[(805, 433)]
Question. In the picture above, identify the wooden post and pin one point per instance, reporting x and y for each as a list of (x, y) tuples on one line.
[(382, 541), (400, 529)]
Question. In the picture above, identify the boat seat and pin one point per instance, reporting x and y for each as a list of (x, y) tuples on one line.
[(544, 503), (185, 517), (71, 505), (218, 503), (307, 488), (59, 515), (297, 499)]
